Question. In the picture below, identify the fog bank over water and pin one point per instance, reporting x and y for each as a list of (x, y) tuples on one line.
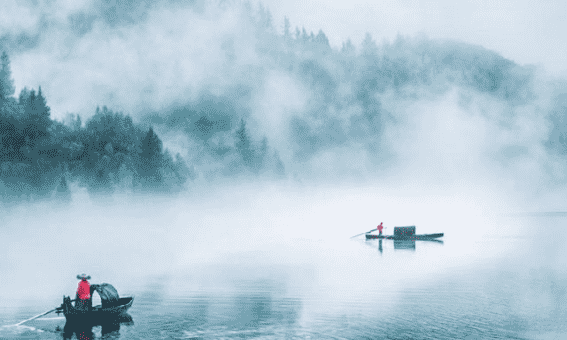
[(277, 226), (225, 252)]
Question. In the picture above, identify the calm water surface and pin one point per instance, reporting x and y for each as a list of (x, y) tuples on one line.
[(506, 280)]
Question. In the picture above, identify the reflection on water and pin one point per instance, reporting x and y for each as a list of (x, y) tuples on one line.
[(56, 328), (404, 244), (401, 244), (110, 329)]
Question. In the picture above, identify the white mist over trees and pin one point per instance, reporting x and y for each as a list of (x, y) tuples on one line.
[(240, 96)]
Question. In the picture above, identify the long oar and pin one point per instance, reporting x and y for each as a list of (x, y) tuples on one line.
[(37, 316), (42, 314), (365, 232)]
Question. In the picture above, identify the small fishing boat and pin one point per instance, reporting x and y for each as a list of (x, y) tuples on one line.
[(405, 233), (409, 238), (112, 307)]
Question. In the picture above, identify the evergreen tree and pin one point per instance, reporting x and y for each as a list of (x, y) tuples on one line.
[(11, 139), (269, 21), (264, 18), (348, 48), (31, 130), (263, 150), (304, 36), (175, 172), (323, 42), (286, 30), (150, 159), (243, 144), (369, 47), (7, 88), (43, 111), (36, 117), (24, 95), (261, 155), (76, 123)]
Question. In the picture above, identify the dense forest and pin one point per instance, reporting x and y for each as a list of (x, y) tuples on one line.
[(297, 108), (40, 156)]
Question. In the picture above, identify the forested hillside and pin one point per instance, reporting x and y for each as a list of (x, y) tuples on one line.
[(262, 100), (109, 152)]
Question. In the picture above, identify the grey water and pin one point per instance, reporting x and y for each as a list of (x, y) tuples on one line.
[(287, 269)]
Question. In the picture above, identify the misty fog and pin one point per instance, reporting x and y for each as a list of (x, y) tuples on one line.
[(203, 144)]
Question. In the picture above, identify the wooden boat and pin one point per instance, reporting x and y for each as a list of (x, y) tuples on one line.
[(405, 234), (112, 307), (404, 237), (97, 313)]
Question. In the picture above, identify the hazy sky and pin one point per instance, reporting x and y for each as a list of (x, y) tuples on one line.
[(527, 32)]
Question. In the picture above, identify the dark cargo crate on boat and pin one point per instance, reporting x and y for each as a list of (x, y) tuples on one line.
[(404, 231)]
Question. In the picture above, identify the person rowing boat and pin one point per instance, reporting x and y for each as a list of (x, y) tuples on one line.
[(83, 301), (379, 228)]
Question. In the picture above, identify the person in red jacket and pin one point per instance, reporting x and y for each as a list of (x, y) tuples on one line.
[(83, 300), (380, 227)]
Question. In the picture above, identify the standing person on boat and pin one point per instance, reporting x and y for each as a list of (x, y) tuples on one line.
[(380, 227), (83, 298)]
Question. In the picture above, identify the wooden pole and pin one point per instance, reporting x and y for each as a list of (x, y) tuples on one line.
[(365, 232), (37, 316)]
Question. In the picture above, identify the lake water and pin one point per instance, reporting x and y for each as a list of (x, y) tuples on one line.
[(238, 269)]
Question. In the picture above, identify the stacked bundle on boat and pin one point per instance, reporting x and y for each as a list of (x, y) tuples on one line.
[(404, 231)]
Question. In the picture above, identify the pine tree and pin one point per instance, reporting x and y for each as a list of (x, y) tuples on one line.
[(24, 95), (304, 36), (322, 40), (348, 48), (36, 116), (31, 130), (264, 18), (263, 150), (7, 88), (369, 47), (243, 144), (260, 156), (76, 123), (286, 30), (43, 111), (269, 21), (150, 159), (151, 146)]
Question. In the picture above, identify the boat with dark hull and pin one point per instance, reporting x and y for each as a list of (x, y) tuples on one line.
[(111, 308), (405, 234), (408, 238)]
